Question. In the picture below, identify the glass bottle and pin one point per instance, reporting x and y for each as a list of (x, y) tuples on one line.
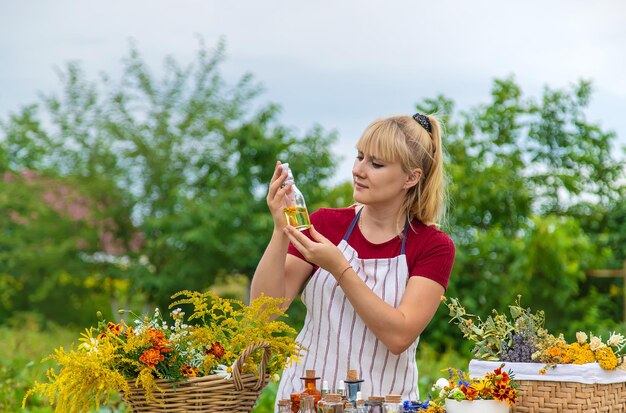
[(353, 386), (295, 402), (332, 403), (341, 389), (284, 406), (310, 387), (306, 404), (392, 404), (375, 404), (295, 211), (360, 405), (320, 404)]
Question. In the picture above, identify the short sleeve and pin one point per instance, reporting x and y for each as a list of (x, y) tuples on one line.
[(435, 259)]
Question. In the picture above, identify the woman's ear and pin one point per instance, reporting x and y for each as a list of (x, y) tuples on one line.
[(413, 178)]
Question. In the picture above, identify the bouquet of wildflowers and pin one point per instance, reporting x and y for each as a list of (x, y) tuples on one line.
[(523, 338), (496, 385), (147, 348)]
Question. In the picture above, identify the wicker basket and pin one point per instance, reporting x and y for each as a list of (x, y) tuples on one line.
[(209, 394), (597, 391), (559, 396)]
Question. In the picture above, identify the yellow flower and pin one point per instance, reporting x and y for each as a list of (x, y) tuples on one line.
[(606, 358)]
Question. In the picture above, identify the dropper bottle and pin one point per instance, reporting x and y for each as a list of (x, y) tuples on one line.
[(295, 211)]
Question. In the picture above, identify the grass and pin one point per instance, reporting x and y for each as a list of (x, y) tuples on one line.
[(25, 343)]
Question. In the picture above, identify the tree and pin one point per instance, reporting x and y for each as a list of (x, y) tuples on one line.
[(186, 157), (522, 173)]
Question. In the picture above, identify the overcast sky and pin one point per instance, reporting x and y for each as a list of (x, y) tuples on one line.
[(337, 63)]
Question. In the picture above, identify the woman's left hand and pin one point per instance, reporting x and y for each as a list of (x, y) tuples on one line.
[(319, 251)]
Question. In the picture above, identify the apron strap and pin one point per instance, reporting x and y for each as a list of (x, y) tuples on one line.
[(355, 220)]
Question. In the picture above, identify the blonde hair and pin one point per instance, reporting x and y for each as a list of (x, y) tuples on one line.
[(402, 139)]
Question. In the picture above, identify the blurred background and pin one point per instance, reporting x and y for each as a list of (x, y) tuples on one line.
[(137, 140)]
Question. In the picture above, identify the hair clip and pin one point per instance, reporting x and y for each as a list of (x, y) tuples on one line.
[(423, 121)]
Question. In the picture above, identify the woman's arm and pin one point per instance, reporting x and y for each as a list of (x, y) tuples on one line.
[(279, 274), (397, 327)]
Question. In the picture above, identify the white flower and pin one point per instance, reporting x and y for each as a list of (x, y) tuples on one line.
[(615, 339), (441, 383), (595, 343), (581, 337), (91, 346), (223, 371)]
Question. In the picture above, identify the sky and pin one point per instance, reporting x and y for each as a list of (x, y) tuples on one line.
[(340, 64)]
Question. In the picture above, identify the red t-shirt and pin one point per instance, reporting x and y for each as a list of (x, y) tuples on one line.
[(429, 252)]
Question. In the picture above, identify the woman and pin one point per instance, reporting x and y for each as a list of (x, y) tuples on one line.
[(373, 273)]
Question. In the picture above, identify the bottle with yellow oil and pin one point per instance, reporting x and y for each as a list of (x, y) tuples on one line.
[(295, 211)]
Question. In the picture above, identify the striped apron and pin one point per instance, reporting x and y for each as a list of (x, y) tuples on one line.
[(338, 340)]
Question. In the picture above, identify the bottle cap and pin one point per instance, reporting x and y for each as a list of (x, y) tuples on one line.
[(341, 385), (352, 375), (359, 395), (376, 399), (284, 402), (309, 374), (333, 397), (325, 385), (393, 398)]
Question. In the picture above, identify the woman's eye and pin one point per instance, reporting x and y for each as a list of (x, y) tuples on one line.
[(377, 165), (359, 157)]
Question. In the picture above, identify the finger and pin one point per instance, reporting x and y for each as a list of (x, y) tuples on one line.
[(317, 236), (292, 234), (277, 181)]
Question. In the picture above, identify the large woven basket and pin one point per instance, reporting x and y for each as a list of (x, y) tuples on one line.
[(559, 396), (208, 394), (569, 388)]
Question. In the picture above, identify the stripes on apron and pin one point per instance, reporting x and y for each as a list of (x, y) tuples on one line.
[(338, 340)]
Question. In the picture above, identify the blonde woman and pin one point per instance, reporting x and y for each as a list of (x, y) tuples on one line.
[(371, 275)]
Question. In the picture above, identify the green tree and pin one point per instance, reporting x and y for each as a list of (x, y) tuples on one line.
[(186, 157), (522, 173)]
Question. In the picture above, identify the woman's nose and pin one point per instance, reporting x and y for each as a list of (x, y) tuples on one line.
[(357, 168)]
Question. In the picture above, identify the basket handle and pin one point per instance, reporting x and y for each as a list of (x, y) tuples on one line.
[(242, 359)]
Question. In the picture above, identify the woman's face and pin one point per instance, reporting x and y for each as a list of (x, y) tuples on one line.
[(378, 182)]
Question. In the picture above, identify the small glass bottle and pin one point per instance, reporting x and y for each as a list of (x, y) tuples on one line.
[(284, 406), (306, 404), (310, 387), (392, 404), (332, 403), (295, 211), (353, 386), (295, 402), (360, 404), (375, 404), (341, 389), (325, 391)]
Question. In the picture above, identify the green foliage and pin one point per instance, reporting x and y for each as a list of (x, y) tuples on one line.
[(537, 199), (175, 166)]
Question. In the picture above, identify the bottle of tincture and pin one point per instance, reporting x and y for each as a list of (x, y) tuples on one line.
[(360, 403), (310, 387), (392, 404), (284, 406), (353, 386), (375, 404), (306, 404), (295, 211)]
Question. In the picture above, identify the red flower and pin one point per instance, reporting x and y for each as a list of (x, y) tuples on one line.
[(189, 371), (115, 328), (217, 349), (151, 357)]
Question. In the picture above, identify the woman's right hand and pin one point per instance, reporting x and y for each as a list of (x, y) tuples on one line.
[(276, 197)]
